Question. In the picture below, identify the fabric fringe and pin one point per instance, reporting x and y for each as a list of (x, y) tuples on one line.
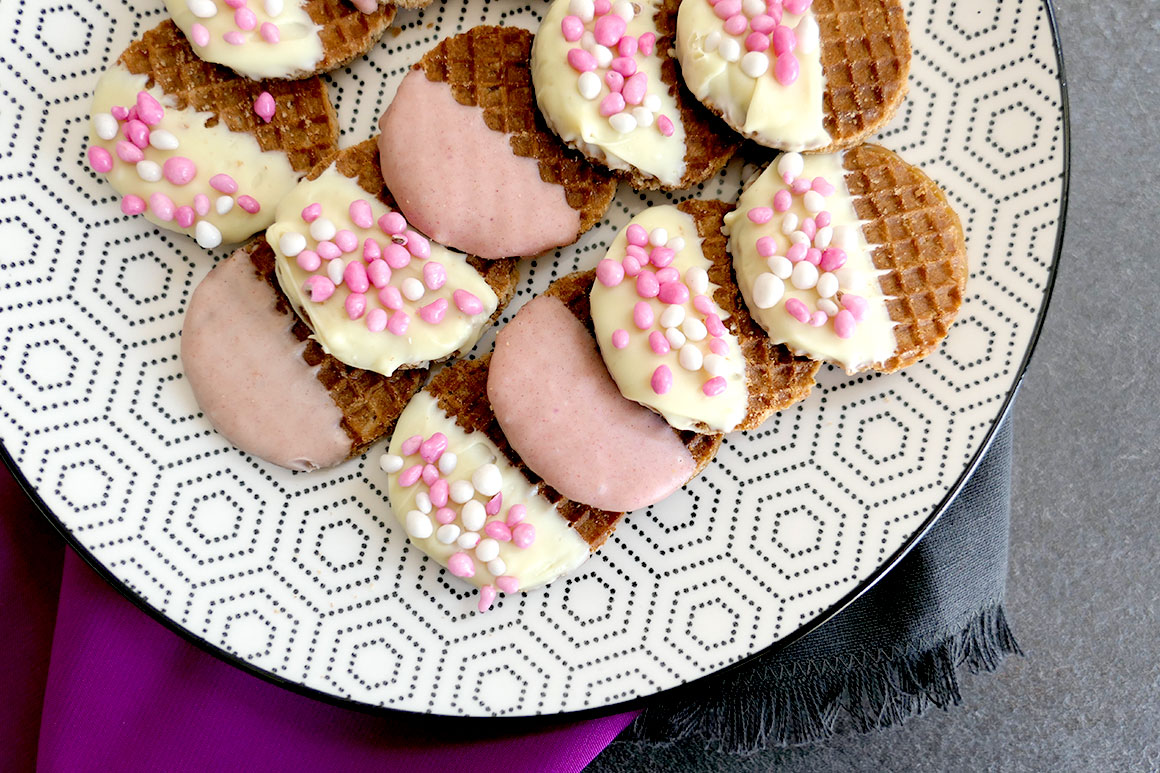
[(770, 703)]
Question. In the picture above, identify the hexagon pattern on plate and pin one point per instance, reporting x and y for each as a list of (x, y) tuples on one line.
[(309, 577)]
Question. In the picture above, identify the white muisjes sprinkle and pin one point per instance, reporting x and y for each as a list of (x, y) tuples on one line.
[(322, 229), (652, 102), (643, 116), (807, 33), (423, 502), (691, 358), (767, 290), (823, 237), (202, 9), (497, 567), (827, 285), (588, 41), (291, 243), (697, 280), (791, 165), (583, 8), (694, 329), (447, 533), (273, 7), (467, 540), (715, 365), (676, 244), (335, 270), (163, 140), (487, 479), (789, 223), (622, 123), (460, 491), (207, 234), (413, 288), (473, 515), (603, 55), (673, 316), (658, 237), (753, 7), (755, 64), (419, 525), (814, 201), (487, 550), (781, 266), (624, 9), (712, 40), (447, 462), (729, 49), (106, 126), (223, 204), (799, 237), (675, 338), (828, 306), (390, 463), (149, 171), (588, 84), (805, 275)]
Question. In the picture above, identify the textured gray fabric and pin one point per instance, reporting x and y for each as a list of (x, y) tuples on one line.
[(1084, 580)]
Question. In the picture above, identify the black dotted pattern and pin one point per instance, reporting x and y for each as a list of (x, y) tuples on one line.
[(310, 578)]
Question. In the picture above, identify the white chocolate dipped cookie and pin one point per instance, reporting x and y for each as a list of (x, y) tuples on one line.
[(281, 38), (377, 293), (854, 258), (801, 75), (197, 149), (673, 332), (607, 84)]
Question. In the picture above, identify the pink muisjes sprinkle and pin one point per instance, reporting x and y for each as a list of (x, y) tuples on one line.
[(797, 310), (461, 565), (783, 39), (179, 170), (355, 305), (184, 216), (467, 302), (703, 304), (635, 88), (782, 200), (609, 29), (486, 598), (434, 311), (625, 65), (523, 535), (665, 125), (638, 252), (430, 474), (796, 252), (581, 60), (355, 277), (662, 379), (371, 250), (673, 292), (132, 205), (632, 265), (620, 338), (714, 386), (310, 212), (809, 227), (201, 204), (611, 104), (379, 273), (736, 24), (100, 159), (308, 260), (646, 42), (516, 514), (411, 446), (494, 505), (756, 41), (223, 183), (760, 215), (822, 186), (392, 224), (797, 7), (572, 28), (626, 46), (844, 324), (418, 245), (119, 112), (658, 343), (609, 273), (763, 23), (439, 492), (162, 206), (833, 259), (636, 235), (814, 255), (614, 80), (399, 323), (799, 186), (149, 110), (822, 219), (498, 530), (245, 19), (507, 584), (361, 214), (270, 32), (726, 8), (718, 346), (234, 38), (344, 239), (329, 250), (642, 315), (714, 325), (129, 153), (410, 476), (766, 246), (137, 132), (819, 318), (434, 275), (320, 288), (443, 515), (668, 274), (376, 320), (396, 256), (264, 105), (647, 285), (200, 34), (249, 204), (786, 69), (857, 306), (661, 256)]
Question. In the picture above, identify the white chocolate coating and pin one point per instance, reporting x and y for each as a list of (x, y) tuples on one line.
[(684, 406), (785, 117), (297, 51), (264, 175), (873, 339), (578, 120), (349, 339), (557, 549)]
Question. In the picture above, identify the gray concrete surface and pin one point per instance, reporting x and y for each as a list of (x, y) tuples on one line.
[(1085, 574)]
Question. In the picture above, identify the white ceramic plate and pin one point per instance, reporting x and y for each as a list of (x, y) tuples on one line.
[(306, 579)]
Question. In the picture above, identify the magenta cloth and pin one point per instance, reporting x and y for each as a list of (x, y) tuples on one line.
[(90, 682)]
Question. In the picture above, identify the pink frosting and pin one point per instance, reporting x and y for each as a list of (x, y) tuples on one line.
[(460, 183), (246, 371), (566, 419)]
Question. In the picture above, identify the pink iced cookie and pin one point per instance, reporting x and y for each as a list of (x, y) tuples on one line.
[(490, 181)]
